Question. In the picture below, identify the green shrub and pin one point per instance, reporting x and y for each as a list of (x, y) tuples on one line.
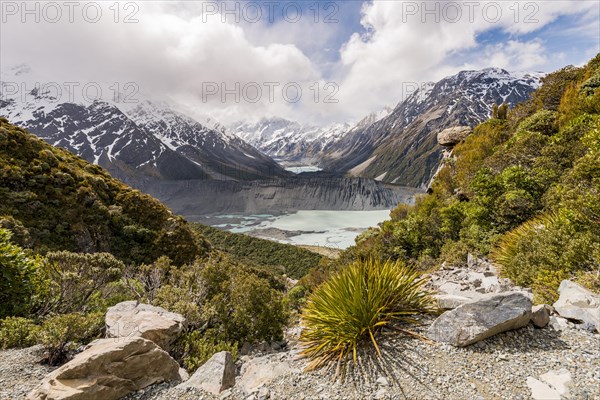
[(61, 334), (353, 306), (17, 332), (544, 122), (75, 279), (544, 251), (18, 281), (296, 297), (246, 309), (193, 349)]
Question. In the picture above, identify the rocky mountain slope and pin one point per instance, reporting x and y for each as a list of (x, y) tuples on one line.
[(289, 141), (54, 200), (402, 147), (138, 140)]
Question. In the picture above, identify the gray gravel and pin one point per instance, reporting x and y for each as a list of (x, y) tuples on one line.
[(496, 368)]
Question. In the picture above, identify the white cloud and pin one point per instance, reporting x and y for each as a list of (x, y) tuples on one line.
[(174, 52)]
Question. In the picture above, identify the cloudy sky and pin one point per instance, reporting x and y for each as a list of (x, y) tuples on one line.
[(312, 61)]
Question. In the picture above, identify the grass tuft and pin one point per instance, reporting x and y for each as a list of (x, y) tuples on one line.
[(352, 307)]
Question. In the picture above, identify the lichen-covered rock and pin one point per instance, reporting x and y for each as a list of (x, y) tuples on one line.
[(478, 320)]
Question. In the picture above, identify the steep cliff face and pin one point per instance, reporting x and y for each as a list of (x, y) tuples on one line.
[(402, 148), (190, 198)]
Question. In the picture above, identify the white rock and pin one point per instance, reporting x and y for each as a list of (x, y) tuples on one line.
[(215, 375), (450, 301), (559, 380), (261, 371), (541, 391), (558, 323), (133, 319), (578, 303), (382, 381)]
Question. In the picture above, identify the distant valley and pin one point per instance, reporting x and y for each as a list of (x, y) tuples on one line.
[(205, 167)]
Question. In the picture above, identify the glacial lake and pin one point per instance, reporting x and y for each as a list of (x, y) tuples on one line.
[(305, 168), (336, 229)]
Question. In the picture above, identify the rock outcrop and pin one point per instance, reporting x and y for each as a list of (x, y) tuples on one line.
[(133, 319), (454, 135), (578, 304), (214, 376), (481, 319), (108, 369)]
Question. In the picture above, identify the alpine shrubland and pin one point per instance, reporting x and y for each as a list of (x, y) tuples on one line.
[(524, 190)]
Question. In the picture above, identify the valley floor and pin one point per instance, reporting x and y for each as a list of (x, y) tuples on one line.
[(496, 368)]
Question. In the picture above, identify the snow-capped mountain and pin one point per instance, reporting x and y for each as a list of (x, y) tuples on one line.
[(289, 141), (135, 141), (402, 147)]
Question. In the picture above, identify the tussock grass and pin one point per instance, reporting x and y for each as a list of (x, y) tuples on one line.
[(352, 307)]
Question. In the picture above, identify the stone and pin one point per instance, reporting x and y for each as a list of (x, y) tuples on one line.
[(450, 301), (577, 303), (108, 369), (541, 391), (480, 319), (540, 315), (382, 381), (183, 375), (558, 323), (131, 319), (215, 375), (259, 372), (559, 380), (263, 393), (380, 394), (454, 135)]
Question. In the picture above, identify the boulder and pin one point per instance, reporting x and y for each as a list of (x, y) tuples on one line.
[(480, 319), (579, 304), (215, 375), (261, 371), (454, 135), (132, 319), (540, 315), (108, 369)]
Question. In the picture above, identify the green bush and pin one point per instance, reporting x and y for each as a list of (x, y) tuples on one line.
[(17, 332), (75, 279), (61, 334), (544, 251), (544, 122), (193, 349), (18, 278), (353, 306), (246, 309)]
